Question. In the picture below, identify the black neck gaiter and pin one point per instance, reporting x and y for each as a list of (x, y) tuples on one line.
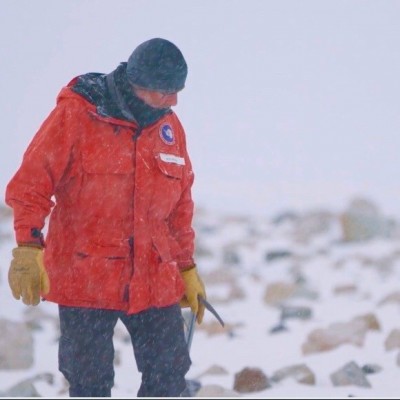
[(126, 100)]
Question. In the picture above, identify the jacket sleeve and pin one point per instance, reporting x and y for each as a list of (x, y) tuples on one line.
[(31, 189), (180, 220)]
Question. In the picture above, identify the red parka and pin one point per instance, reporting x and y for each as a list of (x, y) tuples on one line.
[(120, 207)]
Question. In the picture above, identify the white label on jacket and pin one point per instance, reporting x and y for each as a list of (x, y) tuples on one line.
[(170, 158)]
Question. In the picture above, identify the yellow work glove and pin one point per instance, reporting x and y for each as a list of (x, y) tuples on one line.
[(27, 276), (194, 287)]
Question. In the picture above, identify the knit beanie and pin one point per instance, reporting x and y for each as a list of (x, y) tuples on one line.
[(157, 64)]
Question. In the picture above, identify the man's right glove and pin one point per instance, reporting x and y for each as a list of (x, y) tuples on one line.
[(194, 287), (27, 276)]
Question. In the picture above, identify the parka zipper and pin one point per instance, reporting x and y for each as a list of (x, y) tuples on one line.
[(136, 133), (131, 253)]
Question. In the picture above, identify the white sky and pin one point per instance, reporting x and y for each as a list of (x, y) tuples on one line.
[(288, 104)]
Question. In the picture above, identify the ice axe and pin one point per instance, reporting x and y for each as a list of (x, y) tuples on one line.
[(190, 329), (192, 386)]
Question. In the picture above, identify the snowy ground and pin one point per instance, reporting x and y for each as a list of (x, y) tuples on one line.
[(323, 262)]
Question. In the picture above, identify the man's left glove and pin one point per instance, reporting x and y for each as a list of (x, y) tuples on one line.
[(27, 276), (194, 287)]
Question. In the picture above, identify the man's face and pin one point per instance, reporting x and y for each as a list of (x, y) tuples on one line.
[(156, 99)]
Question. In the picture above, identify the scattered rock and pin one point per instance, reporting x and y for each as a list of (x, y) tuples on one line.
[(26, 388), (390, 298), (278, 292), (370, 321), (214, 370), (306, 293), (350, 374), (311, 224), (117, 357), (35, 316), (301, 373), (219, 276), (278, 328), (231, 257), (202, 251), (22, 389), (215, 328), (345, 289), (286, 216), (352, 332), (371, 368), (297, 312), (362, 221), (16, 345), (235, 292), (251, 380), (291, 312), (393, 340), (277, 255)]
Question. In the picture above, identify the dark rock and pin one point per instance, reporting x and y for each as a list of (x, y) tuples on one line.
[(298, 312), (278, 328), (371, 368), (350, 374), (231, 257), (285, 216), (277, 254), (251, 380)]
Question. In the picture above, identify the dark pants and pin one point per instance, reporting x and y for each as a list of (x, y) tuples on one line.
[(86, 350)]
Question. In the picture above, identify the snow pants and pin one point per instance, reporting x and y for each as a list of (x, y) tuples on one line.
[(86, 350)]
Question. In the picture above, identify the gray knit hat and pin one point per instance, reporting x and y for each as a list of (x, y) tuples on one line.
[(157, 64)]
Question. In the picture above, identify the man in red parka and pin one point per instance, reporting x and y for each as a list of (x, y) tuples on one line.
[(111, 168)]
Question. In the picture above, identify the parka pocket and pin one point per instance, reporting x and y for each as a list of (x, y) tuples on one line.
[(100, 275), (167, 185), (107, 184), (168, 286), (168, 167)]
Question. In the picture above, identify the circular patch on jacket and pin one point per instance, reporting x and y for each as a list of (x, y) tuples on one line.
[(167, 134)]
